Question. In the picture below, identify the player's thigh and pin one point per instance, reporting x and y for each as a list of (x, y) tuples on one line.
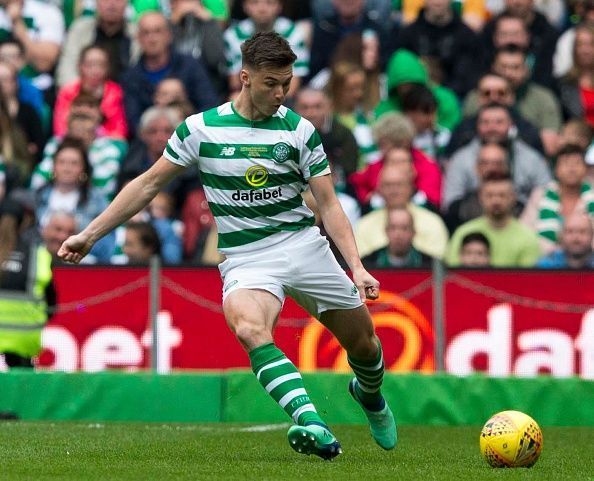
[(353, 328), (317, 281), (251, 314)]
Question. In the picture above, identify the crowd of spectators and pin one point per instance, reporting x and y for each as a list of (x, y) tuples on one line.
[(461, 131)]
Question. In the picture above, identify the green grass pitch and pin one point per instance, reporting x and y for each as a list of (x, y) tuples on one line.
[(44, 451)]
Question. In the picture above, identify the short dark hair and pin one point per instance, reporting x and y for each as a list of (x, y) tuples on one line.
[(569, 149), (419, 99), (476, 237), (497, 177), (15, 41), (507, 15), (88, 99), (511, 49), (492, 106), (147, 235), (267, 49)]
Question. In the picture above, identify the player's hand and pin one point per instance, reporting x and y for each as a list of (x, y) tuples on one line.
[(368, 285), (75, 248)]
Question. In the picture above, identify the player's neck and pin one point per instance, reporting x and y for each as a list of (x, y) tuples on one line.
[(244, 106)]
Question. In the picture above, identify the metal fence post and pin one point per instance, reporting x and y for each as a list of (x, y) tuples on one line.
[(154, 306), (439, 274)]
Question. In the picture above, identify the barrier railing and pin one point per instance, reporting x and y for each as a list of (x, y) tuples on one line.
[(500, 322)]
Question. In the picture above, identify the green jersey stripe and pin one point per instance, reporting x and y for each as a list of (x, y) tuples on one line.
[(245, 151), (182, 131), (232, 182), (319, 167), (251, 212), (246, 236), (171, 152), (314, 140)]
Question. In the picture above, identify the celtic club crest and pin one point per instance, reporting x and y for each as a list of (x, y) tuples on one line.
[(281, 152)]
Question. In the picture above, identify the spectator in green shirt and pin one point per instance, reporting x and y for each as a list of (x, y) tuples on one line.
[(512, 243)]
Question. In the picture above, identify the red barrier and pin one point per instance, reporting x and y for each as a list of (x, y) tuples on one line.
[(501, 322)]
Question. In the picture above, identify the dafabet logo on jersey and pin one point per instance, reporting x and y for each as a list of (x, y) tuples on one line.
[(257, 176)]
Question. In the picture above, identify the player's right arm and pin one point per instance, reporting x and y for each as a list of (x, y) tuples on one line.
[(131, 199)]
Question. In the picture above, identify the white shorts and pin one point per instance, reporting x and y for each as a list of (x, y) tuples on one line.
[(302, 267)]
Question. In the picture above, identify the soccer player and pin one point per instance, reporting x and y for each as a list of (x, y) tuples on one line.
[(256, 157)]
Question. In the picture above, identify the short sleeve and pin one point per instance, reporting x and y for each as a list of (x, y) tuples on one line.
[(313, 160), (183, 145), (50, 25)]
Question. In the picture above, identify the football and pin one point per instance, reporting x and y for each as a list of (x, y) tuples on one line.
[(511, 439)]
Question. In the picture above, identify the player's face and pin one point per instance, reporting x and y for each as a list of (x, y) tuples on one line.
[(268, 88)]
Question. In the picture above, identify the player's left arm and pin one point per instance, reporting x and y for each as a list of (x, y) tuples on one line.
[(339, 229)]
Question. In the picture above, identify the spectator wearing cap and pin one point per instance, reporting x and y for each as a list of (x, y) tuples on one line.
[(569, 193), (512, 243)]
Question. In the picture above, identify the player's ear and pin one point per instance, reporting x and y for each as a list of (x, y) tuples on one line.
[(244, 78)]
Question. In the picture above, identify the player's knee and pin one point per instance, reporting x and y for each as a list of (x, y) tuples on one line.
[(365, 347), (251, 334)]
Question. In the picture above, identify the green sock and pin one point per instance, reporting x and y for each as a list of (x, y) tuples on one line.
[(281, 379), (370, 375)]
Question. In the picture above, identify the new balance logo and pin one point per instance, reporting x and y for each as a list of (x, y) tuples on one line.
[(227, 151)]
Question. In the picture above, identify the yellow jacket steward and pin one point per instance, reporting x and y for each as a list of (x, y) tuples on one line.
[(26, 275)]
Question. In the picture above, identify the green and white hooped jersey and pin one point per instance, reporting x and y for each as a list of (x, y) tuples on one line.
[(253, 172)]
